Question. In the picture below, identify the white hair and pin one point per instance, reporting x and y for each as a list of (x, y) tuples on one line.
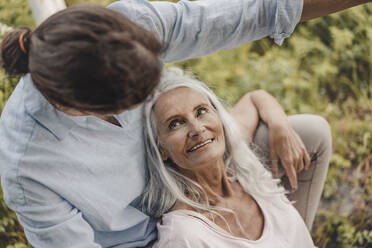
[(166, 186)]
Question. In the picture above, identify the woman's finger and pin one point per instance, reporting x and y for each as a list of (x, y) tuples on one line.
[(274, 164), (300, 165), (295, 163), (292, 176)]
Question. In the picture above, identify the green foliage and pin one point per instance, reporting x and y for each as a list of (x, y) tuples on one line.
[(7, 85), (342, 232), (16, 13), (100, 2), (325, 68), (11, 233)]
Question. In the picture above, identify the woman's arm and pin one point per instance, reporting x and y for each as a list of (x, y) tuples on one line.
[(285, 144), (246, 115), (257, 105)]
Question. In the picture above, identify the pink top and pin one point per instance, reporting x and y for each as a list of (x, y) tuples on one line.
[(283, 228)]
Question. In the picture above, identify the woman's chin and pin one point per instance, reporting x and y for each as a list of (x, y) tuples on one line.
[(206, 158)]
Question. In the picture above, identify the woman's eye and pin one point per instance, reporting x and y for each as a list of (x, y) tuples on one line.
[(202, 111), (173, 124)]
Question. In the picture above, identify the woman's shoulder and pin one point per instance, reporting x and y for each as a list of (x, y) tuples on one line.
[(184, 229), (174, 231), (179, 224)]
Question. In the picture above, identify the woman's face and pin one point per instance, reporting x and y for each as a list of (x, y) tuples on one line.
[(190, 131)]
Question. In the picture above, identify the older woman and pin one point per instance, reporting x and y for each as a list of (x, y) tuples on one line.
[(210, 188)]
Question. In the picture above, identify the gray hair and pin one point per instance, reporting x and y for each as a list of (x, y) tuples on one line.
[(166, 186)]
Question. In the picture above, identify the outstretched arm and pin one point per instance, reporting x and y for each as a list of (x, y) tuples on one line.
[(317, 8), (190, 29), (285, 144)]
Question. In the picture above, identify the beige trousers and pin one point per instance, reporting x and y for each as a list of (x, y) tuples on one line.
[(316, 135)]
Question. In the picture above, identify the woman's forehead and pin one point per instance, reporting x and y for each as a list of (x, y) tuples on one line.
[(178, 100), (180, 96)]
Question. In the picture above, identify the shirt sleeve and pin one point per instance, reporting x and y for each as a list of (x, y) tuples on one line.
[(48, 220), (191, 29)]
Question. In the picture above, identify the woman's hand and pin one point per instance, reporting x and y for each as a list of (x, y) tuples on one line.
[(285, 144), (287, 147)]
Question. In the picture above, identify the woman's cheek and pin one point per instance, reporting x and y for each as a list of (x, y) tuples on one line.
[(176, 142)]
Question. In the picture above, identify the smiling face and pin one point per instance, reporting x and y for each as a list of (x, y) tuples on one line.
[(190, 131)]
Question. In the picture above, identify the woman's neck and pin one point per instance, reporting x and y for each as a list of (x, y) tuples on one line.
[(213, 179)]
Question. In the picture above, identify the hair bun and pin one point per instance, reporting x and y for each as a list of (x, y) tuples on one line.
[(14, 51)]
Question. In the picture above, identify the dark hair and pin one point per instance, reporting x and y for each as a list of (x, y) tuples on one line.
[(88, 58)]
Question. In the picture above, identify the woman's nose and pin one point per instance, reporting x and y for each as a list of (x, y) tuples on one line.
[(196, 128)]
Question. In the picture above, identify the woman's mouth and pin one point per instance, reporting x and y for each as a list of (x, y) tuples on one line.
[(200, 145)]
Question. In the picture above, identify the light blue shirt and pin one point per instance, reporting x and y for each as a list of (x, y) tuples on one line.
[(73, 181)]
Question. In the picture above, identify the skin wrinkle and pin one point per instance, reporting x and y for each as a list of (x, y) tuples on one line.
[(209, 174)]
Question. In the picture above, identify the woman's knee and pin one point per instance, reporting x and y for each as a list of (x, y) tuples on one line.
[(314, 131)]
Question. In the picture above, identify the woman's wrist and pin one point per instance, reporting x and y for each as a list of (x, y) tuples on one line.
[(278, 123), (269, 109)]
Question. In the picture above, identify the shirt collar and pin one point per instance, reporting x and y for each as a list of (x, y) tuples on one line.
[(42, 111)]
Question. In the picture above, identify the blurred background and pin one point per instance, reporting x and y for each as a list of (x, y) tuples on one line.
[(324, 68)]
